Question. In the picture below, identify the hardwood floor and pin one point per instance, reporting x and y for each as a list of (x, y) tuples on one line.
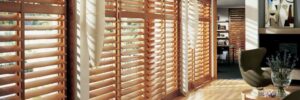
[(227, 89), (222, 89)]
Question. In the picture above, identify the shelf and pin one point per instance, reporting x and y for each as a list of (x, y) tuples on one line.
[(279, 30), (222, 30), (222, 38), (223, 45), (223, 21)]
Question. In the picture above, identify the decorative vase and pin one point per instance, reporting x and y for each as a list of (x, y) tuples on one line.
[(281, 78)]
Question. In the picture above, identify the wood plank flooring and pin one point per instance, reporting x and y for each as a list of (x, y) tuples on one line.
[(225, 89), (222, 89)]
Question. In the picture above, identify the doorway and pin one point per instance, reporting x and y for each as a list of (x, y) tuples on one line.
[(230, 37)]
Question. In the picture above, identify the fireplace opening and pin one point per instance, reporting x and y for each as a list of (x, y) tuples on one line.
[(276, 42)]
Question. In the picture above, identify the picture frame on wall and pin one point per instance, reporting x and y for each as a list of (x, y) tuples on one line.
[(279, 13)]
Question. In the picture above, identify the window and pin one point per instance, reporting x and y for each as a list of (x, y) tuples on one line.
[(32, 41), (139, 57), (196, 42)]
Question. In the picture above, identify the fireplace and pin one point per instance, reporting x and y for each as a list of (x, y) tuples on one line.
[(275, 42)]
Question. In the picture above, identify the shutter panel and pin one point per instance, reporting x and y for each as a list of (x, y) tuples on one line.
[(103, 77), (155, 72), (171, 12), (162, 44), (184, 72), (198, 58), (140, 35), (32, 34), (132, 50), (192, 28), (202, 51), (44, 48), (10, 51), (156, 69), (129, 56)]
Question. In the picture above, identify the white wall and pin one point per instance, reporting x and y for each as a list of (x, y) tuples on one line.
[(223, 16), (255, 19), (252, 23), (231, 3)]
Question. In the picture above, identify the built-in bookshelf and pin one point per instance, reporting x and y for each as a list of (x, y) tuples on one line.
[(223, 33)]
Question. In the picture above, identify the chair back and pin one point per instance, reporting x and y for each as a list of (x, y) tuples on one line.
[(251, 59)]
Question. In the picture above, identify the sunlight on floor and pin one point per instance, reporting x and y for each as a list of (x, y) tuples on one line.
[(223, 89)]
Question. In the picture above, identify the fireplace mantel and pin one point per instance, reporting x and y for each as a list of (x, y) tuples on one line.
[(279, 30)]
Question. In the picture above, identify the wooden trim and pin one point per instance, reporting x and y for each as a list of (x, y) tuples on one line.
[(179, 41), (147, 49), (10, 7), (279, 30), (71, 50), (118, 51), (22, 42), (214, 60), (172, 95)]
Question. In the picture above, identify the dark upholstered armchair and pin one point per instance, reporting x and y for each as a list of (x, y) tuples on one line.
[(249, 64)]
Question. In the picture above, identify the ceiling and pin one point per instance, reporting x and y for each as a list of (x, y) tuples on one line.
[(231, 3)]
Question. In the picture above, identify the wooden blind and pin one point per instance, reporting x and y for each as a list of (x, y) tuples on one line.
[(10, 52), (237, 31), (162, 44), (139, 58), (199, 65), (202, 50), (192, 19), (32, 36), (103, 77), (171, 24)]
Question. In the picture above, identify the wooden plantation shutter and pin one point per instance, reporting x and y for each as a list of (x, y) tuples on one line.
[(132, 49), (139, 58), (197, 59), (103, 77), (162, 44), (10, 51), (192, 29), (184, 72), (171, 24), (202, 51), (39, 32), (44, 49), (120, 74)]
